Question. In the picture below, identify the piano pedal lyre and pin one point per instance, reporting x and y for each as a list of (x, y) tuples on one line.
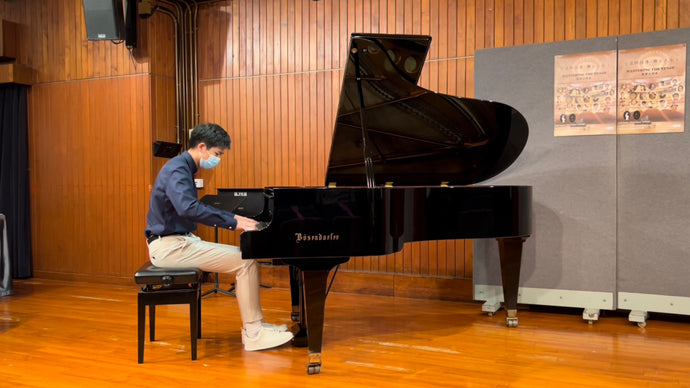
[(295, 314)]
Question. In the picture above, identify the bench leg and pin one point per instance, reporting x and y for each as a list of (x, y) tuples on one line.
[(198, 309), (152, 322), (141, 321), (194, 324), (189, 296)]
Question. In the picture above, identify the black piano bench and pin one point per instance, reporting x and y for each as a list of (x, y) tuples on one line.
[(168, 286)]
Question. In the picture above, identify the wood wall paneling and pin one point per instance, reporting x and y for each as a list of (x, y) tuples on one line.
[(270, 72), (87, 190), (309, 46), (89, 144)]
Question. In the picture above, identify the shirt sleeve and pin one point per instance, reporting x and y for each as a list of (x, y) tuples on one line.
[(183, 195)]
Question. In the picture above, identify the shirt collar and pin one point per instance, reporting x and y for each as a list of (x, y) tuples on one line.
[(190, 162)]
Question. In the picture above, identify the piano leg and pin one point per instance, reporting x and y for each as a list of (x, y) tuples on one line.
[(510, 252), (314, 288), (314, 282)]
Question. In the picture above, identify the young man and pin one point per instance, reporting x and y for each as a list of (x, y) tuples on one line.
[(174, 211)]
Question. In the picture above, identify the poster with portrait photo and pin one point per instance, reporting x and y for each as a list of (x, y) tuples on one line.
[(585, 94), (651, 90)]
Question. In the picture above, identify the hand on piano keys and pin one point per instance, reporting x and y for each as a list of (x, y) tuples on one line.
[(245, 224)]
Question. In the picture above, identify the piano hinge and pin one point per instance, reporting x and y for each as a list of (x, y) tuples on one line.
[(444, 184)]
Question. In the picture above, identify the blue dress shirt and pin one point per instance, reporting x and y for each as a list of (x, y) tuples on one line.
[(175, 208)]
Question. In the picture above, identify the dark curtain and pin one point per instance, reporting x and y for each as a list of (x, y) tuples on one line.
[(14, 176)]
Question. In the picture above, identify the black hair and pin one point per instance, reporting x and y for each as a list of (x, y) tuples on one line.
[(213, 135)]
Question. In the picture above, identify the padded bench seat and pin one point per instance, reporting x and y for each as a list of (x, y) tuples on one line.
[(151, 275)]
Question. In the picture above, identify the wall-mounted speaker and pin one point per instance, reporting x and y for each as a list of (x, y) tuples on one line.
[(131, 23), (104, 19), (164, 149)]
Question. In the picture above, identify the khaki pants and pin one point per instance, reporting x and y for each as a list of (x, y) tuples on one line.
[(190, 251)]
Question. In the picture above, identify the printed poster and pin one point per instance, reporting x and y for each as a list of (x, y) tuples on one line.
[(651, 86), (585, 94)]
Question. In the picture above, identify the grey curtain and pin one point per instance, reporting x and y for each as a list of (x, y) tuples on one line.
[(5, 278)]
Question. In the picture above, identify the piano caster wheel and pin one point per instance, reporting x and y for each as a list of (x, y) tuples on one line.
[(511, 318), (294, 317), (314, 364), (512, 322)]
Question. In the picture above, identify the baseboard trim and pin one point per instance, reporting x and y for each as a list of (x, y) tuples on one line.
[(365, 283)]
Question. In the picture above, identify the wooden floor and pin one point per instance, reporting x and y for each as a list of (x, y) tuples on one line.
[(60, 334)]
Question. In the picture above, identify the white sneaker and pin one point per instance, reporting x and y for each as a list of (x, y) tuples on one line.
[(271, 326), (275, 327), (266, 339)]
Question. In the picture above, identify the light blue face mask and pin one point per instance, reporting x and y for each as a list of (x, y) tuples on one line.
[(209, 163)]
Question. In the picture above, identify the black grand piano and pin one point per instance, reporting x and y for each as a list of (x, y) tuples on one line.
[(402, 168)]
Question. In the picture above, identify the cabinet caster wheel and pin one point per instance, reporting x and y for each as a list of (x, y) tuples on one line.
[(639, 317)]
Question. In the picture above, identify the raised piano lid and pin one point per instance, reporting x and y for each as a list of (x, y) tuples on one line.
[(411, 135)]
